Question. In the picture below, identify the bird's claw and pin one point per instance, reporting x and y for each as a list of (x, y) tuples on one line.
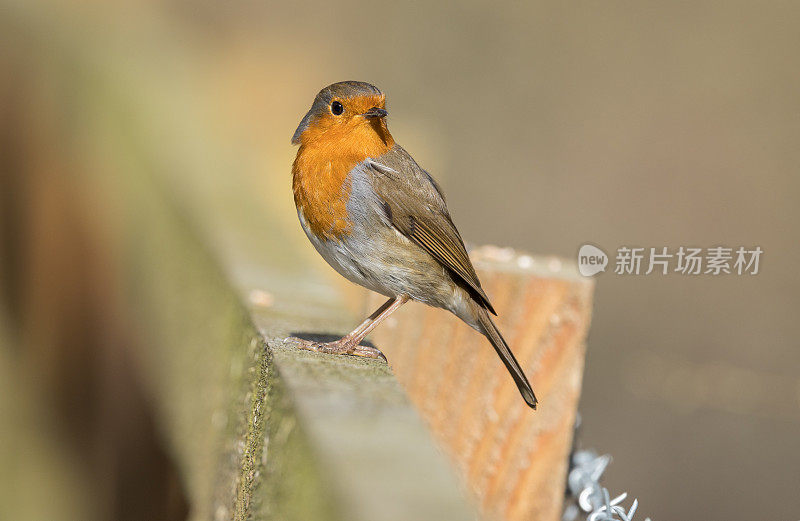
[(338, 348), (368, 352)]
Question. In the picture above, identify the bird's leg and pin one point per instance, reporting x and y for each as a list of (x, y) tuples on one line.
[(350, 343), (370, 319)]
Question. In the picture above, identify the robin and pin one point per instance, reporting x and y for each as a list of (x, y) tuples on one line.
[(381, 221)]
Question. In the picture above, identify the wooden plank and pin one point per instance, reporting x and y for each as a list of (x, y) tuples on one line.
[(256, 429), (513, 459)]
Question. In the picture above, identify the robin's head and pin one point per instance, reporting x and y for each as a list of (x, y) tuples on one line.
[(348, 110)]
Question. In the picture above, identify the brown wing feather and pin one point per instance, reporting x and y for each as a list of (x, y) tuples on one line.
[(451, 253), (422, 216)]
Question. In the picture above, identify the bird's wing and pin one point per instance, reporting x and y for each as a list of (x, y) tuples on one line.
[(414, 205)]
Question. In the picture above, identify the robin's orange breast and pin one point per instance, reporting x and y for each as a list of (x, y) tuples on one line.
[(320, 174)]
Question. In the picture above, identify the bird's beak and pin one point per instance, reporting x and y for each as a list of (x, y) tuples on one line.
[(375, 112)]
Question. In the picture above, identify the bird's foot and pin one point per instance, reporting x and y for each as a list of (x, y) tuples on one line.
[(338, 347)]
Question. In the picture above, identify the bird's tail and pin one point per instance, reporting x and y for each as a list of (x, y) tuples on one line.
[(493, 334)]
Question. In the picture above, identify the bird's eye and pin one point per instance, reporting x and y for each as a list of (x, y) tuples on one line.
[(337, 108)]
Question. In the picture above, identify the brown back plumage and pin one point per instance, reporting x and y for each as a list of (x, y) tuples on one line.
[(417, 209), (414, 205)]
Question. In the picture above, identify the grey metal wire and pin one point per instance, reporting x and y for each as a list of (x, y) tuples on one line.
[(588, 496)]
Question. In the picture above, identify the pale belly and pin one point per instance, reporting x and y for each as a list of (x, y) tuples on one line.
[(382, 260)]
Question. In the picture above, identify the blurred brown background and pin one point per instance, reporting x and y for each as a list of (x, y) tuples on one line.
[(549, 125)]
